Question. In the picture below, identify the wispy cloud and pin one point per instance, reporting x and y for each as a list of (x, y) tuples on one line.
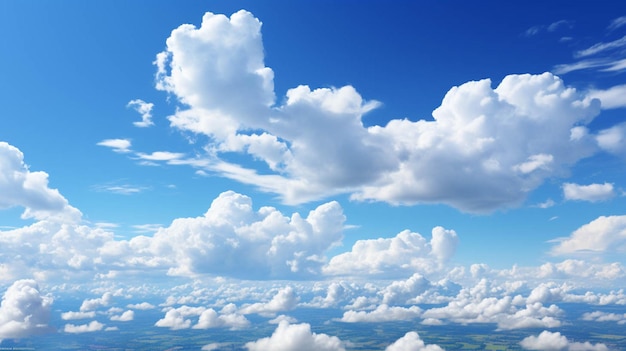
[(617, 23), (145, 109)]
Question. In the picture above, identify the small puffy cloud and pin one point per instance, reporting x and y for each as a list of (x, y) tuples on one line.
[(141, 306), (411, 342), (127, 316), (382, 313), (21, 187), (599, 316), (613, 139), (209, 318), (24, 311), (406, 252), (285, 300), (145, 110), (603, 234), (93, 326), (177, 318), (591, 192), (296, 337), (118, 145), (93, 304), (549, 341)]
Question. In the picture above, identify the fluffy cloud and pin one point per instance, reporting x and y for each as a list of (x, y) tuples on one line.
[(211, 319), (613, 139), (382, 313), (296, 337), (406, 252), (93, 326), (285, 300), (24, 311), (21, 187), (145, 109), (548, 341), (77, 315), (181, 318), (176, 318), (232, 239), (591, 192), (93, 304), (485, 149), (411, 342), (478, 305), (599, 316), (127, 316), (603, 234)]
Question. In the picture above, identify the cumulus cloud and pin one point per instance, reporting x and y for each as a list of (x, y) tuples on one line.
[(406, 252), (21, 187), (284, 300), (599, 316), (141, 306), (549, 341), (232, 239), (126, 316), (591, 192), (485, 149), (24, 311), (177, 318), (296, 337), (77, 315), (603, 234), (93, 304), (382, 313), (209, 318), (411, 342), (145, 110), (478, 305), (93, 326)]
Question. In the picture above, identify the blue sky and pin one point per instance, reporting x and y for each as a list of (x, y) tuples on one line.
[(369, 118)]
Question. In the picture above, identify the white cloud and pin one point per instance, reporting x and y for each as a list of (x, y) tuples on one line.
[(93, 304), (145, 110), (141, 306), (411, 342), (599, 316), (127, 316), (486, 149), (21, 187), (209, 318), (284, 300), (93, 326), (177, 318), (24, 311), (549, 341), (118, 145), (477, 305), (296, 337), (613, 139), (232, 239), (603, 234), (614, 97), (617, 23), (406, 252), (601, 47), (591, 192), (382, 313)]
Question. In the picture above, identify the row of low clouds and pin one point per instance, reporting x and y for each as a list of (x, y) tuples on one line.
[(25, 311), (234, 239), (486, 148)]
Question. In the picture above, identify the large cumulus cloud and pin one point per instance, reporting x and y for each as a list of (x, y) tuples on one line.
[(485, 148)]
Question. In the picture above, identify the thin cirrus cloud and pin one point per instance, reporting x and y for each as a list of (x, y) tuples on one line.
[(486, 149)]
